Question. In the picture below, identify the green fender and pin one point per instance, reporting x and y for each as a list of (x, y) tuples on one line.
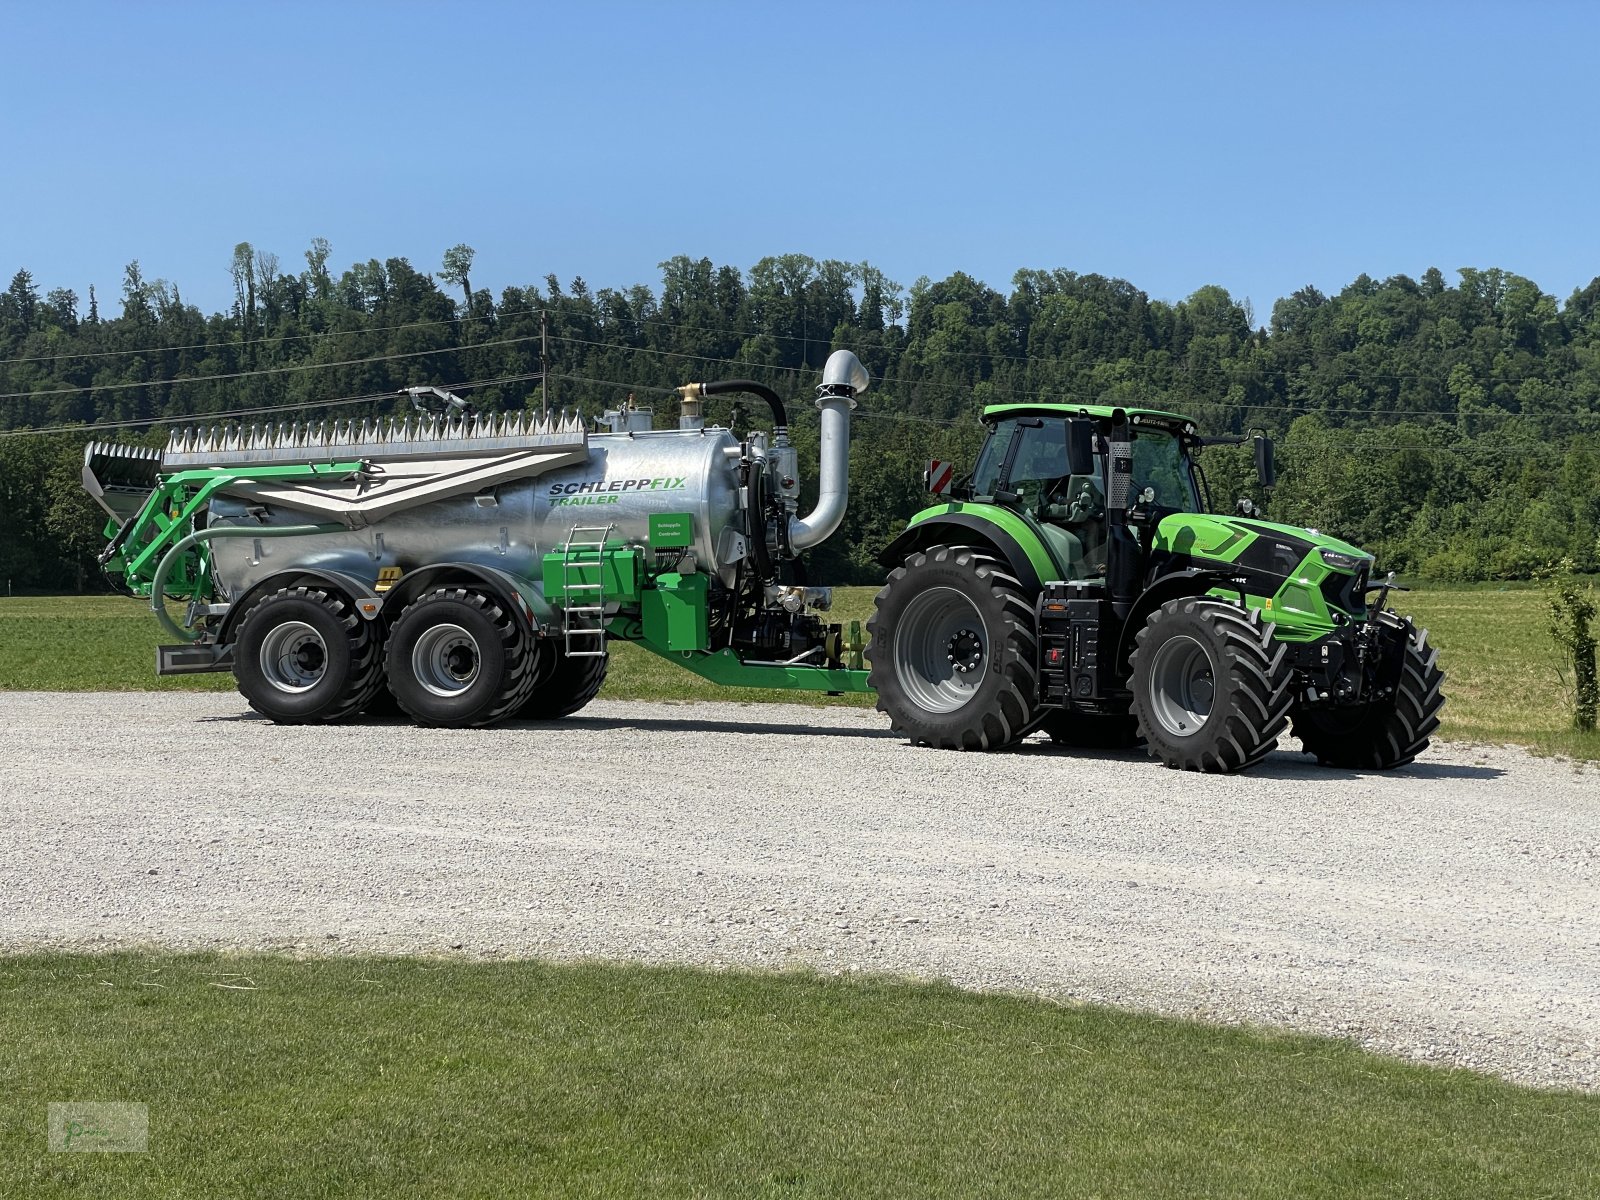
[(1022, 542)]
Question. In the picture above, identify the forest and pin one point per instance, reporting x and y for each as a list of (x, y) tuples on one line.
[(1450, 426)]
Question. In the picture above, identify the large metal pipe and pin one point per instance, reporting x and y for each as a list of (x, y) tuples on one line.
[(843, 378)]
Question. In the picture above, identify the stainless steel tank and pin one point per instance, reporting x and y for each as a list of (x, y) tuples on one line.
[(621, 482)]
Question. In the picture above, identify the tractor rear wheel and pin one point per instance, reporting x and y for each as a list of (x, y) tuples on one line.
[(954, 651), (565, 683), (1210, 686), (458, 659), (304, 656), (1386, 733)]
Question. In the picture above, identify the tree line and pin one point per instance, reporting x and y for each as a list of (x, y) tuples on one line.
[(1451, 427)]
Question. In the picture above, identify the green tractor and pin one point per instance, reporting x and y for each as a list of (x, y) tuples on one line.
[(1076, 582)]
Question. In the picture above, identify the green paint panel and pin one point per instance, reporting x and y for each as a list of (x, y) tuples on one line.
[(724, 668), (671, 531), (674, 613), (617, 569), (1028, 535)]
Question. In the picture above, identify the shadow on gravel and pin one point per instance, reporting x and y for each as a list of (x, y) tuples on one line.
[(1279, 765), (680, 725), (1302, 766)]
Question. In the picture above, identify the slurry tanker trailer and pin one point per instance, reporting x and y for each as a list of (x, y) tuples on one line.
[(476, 569)]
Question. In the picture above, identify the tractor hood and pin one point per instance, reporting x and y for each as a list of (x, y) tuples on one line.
[(1314, 581), (1262, 544)]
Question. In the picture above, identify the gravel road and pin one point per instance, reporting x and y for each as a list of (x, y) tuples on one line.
[(1447, 912)]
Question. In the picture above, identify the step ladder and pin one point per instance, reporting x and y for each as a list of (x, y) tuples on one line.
[(583, 601)]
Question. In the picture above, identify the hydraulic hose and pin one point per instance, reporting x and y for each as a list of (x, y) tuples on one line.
[(780, 418), (756, 521), (158, 582)]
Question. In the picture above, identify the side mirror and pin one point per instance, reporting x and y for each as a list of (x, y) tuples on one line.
[(1080, 447), (1266, 470)]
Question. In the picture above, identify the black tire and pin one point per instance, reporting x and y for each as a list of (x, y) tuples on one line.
[(304, 656), (1092, 731), (564, 684), (459, 659), (1210, 686), (959, 606), (1387, 733)]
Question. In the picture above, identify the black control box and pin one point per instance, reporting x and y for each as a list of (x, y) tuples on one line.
[(1070, 649)]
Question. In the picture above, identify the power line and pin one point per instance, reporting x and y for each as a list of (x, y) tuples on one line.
[(297, 337), (354, 362)]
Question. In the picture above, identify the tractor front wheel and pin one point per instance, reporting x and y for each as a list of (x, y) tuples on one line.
[(1385, 733), (954, 651), (303, 656), (1210, 686)]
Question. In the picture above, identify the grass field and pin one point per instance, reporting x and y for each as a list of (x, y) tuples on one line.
[(1501, 667), (267, 1076)]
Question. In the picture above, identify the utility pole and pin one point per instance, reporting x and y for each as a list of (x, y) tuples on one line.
[(544, 361)]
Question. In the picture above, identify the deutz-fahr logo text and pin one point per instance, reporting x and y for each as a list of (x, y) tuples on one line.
[(599, 491)]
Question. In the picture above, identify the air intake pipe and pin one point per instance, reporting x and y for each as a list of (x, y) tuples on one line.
[(843, 379)]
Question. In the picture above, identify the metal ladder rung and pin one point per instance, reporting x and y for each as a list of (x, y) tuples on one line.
[(572, 581)]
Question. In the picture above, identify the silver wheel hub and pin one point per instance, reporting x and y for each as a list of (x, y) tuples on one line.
[(445, 660), (1183, 686), (941, 651), (293, 657)]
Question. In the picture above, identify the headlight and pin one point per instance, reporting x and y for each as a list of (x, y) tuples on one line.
[(1344, 562)]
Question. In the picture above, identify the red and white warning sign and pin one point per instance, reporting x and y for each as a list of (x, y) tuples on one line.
[(940, 475)]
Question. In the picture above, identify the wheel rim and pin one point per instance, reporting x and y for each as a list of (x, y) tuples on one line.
[(1182, 686), (445, 660), (293, 657), (941, 652)]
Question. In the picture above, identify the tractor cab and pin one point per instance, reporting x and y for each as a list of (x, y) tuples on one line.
[(1027, 464)]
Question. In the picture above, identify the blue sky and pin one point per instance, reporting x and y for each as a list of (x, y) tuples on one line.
[(1260, 147)]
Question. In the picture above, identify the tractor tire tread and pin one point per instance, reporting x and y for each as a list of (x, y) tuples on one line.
[(1013, 714), (1258, 663), (1393, 737)]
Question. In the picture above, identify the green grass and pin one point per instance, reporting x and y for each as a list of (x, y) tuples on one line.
[(352, 1077), (1501, 666)]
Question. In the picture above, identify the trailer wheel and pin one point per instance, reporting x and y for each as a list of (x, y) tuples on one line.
[(457, 658), (565, 684), (1210, 686), (304, 656), (1386, 733), (954, 651), (1092, 731)]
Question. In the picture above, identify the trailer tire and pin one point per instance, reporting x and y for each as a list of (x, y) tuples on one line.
[(1210, 685), (959, 606), (1387, 733), (459, 659), (565, 684), (303, 656)]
